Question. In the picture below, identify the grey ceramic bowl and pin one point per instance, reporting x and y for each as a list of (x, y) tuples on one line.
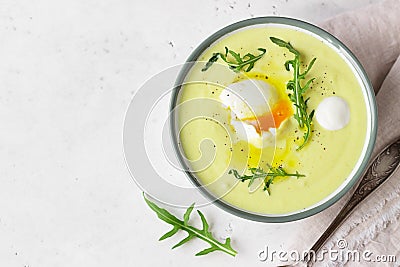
[(368, 94)]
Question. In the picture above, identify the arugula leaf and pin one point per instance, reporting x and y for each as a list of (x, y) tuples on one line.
[(192, 232), (284, 44), (211, 61), (238, 62), (268, 176), (302, 117)]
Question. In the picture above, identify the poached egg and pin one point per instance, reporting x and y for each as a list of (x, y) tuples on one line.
[(256, 111)]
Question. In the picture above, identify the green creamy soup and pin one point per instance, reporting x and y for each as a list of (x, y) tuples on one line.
[(208, 139)]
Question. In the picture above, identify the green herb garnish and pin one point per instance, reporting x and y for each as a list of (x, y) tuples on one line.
[(193, 232), (268, 176), (303, 118), (237, 63)]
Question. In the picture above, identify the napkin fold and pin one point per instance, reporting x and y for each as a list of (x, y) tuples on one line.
[(373, 35)]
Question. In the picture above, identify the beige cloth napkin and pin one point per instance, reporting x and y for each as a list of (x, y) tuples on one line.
[(373, 34)]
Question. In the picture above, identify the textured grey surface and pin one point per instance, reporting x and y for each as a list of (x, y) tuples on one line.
[(68, 70)]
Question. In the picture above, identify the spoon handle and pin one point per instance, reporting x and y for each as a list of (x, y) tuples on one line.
[(381, 168)]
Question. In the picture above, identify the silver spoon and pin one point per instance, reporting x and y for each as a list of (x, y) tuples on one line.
[(381, 168)]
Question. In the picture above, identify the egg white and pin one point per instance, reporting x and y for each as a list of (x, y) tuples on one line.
[(248, 99)]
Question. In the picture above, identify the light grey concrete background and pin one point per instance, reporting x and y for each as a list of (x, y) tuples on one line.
[(68, 70)]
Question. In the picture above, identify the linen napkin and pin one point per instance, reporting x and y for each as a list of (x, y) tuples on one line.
[(373, 35)]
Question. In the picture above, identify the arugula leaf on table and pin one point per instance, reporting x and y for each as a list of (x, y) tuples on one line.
[(204, 234)]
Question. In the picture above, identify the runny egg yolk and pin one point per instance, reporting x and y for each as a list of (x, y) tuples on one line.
[(281, 111), (257, 110)]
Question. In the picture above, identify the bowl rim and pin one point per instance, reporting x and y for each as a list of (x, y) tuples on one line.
[(370, 95)]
